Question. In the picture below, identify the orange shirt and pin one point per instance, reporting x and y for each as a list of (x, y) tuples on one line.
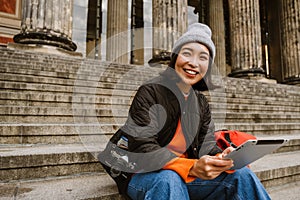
[(178, 143), (181, 164)]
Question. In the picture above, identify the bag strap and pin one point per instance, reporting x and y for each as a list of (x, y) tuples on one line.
[(227, 138)]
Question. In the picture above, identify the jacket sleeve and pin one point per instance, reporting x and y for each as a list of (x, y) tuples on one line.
[(182, 167), (146, 119)]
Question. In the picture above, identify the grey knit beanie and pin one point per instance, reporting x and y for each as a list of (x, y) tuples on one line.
[(196, 32)]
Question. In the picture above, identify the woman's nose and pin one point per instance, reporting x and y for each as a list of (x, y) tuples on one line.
[(194, 62)]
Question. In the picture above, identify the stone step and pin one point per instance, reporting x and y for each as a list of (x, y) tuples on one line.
[(71, 65), (86, 186), (99, 186), (255, 117), (48, 95), (108, 116), (253, 108), (68, 133), (119, 108), (48, 99), (42, 119), (244, 121), (237, 85), (60, 133), (74, 70), (107, 97), (76, 90), (104, 82), (274, 174), (226, 95), (65, 66), (123, 104), (122, 98), (95, 89), (283, 92), (229, 98), (286, 191), (278, 169), (38, 161), (139, 73), (28, 114), (87, 110), (63, 84), (271, 129)]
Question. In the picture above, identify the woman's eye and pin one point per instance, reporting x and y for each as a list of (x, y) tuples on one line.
[(203, 58), (185, 53)]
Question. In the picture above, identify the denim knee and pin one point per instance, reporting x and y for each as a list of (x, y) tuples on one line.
[(168, 185), (170, 179), (244, 173)]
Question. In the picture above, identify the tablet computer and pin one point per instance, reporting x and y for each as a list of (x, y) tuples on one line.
[(253, 150)]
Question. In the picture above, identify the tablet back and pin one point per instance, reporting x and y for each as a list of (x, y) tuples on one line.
[(253, 150)]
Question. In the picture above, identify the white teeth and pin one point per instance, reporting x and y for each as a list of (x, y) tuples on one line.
[(191, 72)]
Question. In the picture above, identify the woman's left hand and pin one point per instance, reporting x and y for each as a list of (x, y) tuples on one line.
[(226, 152)]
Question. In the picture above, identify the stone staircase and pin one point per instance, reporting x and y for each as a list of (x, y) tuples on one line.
[(58, 112)]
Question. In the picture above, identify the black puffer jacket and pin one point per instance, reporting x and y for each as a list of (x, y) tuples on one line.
[(153, 119)]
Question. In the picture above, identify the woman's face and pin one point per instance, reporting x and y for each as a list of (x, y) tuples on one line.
[(192, 62)]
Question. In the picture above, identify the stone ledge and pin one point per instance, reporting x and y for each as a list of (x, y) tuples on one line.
[(43, 49), (287, 191), (278, 168), (101, 186), (85, 186)]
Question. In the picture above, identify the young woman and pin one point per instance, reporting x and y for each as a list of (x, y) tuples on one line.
[(171, 134)]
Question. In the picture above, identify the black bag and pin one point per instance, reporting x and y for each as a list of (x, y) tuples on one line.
[(115, 160)]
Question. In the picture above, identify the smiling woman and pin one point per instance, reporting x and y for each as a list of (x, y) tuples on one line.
[(169, 134)]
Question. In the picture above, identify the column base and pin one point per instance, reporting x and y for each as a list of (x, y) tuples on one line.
[(292, 80), (163, 58), (44, 38), (248, 73), (43, 49), (265, 80)]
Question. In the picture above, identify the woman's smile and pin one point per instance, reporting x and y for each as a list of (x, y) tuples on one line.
[(191, 72)]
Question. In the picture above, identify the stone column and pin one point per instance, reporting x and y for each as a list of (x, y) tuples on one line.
[(246, 48), (169, 22), (47, 23), (290, 34), (216, 23), (117, 31), (137, 32)]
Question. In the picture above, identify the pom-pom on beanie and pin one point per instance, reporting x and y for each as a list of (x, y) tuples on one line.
[(196, 32)]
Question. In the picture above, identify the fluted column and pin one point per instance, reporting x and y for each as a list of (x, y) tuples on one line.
[(47, 23), (246, 48), (117, 31), (290, 23), (216, 23), (169, 22)]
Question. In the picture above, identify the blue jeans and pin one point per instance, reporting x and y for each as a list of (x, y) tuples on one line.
[(167, 184)]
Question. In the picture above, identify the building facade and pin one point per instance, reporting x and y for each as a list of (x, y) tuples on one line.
[(254, 38)]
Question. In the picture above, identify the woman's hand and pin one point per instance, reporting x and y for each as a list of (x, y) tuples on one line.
[(227, 151), (209, 167)]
